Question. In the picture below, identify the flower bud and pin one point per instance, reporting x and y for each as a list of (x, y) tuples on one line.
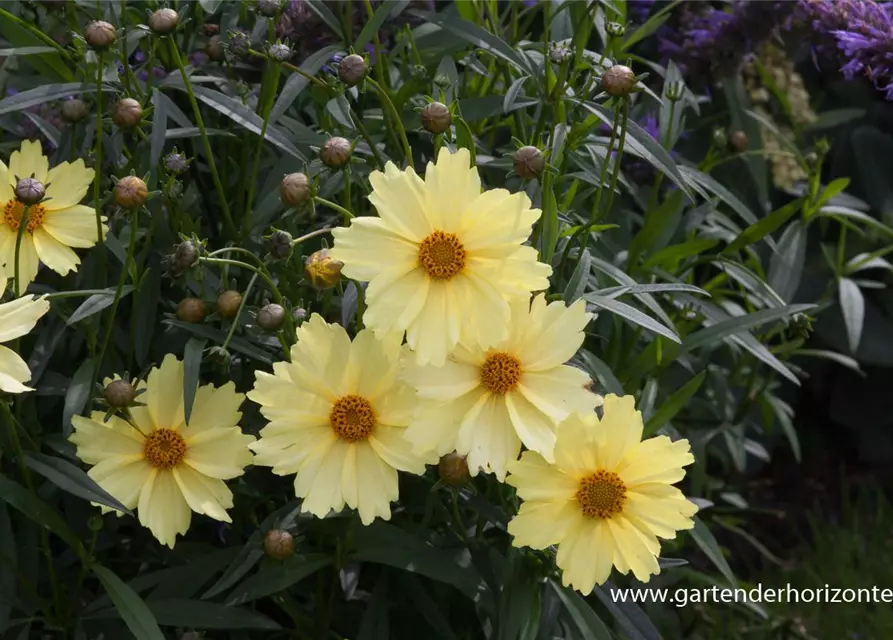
[(453, 470), (191, 310), (130, 192), (270, 317), (529, 162), (29, 191), (75, 110), (299, 314), (619, 81), (335, 152), (442, 80), (219, 357), (418, 72), (719, 137), (436, 117), (185, 255), (294, 190), (128, 113), (739, 141), (175, 162), (559, 53), (95, 523), (119, 394), (280, 245), (322, 271), (279, 544), (211, 29), (164, 21), (214, 49), (352, 70), (268, 8), (239, 43), (228, 304), (100, 35), (615, 29), (280, 52)]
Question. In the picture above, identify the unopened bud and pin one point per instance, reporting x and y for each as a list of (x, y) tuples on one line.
[(75, 110), (279, 544), (270, 317), (29, 191), (720, 139), (418, 72), (322, 270), (619, 81), (176, 163), (280, 52), (239, 43), (335, 152), (739, 141), (294, 190), (280, 245), (130, 192), (352, 70), (436, 117), (95, 523), (185, 255), (128, 113), (453, 470), (268, 8), (214, 49), (119, 394), (299, 314), (615, 29), (191, 310), (211, 29), (529, 162), (228, 303), (100, 35), (220, 357), (164, 21)]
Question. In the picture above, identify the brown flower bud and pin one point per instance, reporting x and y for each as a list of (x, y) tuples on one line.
[(185, 255), (352, 70), (322, 271), (436, 117), (130, 192), (214, 49), (619, 81), (529, 162), (279, 544), (211, 29), (191, 310), (100, 35), (453, 470), (268, 8), (739, 141), (228, 304), (29, 191), (294, 190), (119, 394), (335, 152), (128, 113), (75, 110), (270, 317), (164, 21)]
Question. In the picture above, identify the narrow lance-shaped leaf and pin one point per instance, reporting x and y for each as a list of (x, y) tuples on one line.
[(632, 314), (674, 404), (130, 606), (192, 364), (852, 304), (70, 478)]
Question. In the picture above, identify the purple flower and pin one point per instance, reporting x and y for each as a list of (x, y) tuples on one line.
[(637, 11), (198, 58)]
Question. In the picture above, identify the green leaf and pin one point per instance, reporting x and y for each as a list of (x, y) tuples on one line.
[(739, 324), (325, 14), (158, 135), (738, 102), (548, 221), (9, 560), (834, 118), (130, 606), (601, 371), (703, 537), (832, 190), (192, 364), (296, 82), (25, 51), (584, 618), (69, 478), (762, 228), (786, 265), (839, 358), (784, 413), (275, 577), (49, 65), (634, 289), (96, 303), (651, 25), (852, 304), (674, 404), (217, 335), (374, 624), (511, 95), (210, 6), (32, 507), (200, 614), (631, 314), (388, 10), (634, 622), (46, 93), (579, 278), (674, 254), (145, 311), (712, 185), (77, 394), (465, 138), (835, 211)]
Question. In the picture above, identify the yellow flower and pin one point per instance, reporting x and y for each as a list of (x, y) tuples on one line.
[(442, 258), (337, 417), (16, 319), (162, 466), (55, 225), (606, 500), (485, 402)]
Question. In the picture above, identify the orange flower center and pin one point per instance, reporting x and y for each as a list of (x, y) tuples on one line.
[(13, 211), (501, 372), (602, 494), (352, 418), (442, 255), (164, 448)]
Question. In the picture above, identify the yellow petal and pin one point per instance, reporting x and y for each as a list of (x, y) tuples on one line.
[(585, 555), (497, 218), (575, 446), (559, 334), (397, 407), (97, 441), (435, 426), (537, 480), (447, 382), (319, 359), (319, 481), (164, 394), (428, 335), (74, 226), (377, 485), (54, 254), (487, 437), (541, 524), (451, 187), (221, 452), (282, 399), (19, 316), (6, 188), (67, 184), (656, 460), (162, 507), (28, 259), (558, 392), (372, 366), (535, 428), (14, 372), (350, 476), (214, 408), (661, 516), (369, 246), (286, 447), (620, 429), (399, 198), (198, 494), (485, 313), (28, 162), (631, 550), (392, 447), (123, 477)]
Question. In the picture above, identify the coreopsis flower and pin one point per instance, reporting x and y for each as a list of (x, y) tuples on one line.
[(606, 500), (160, 465), (17, 318), (55, 225), (483, 403), (442, 259), (337, 416)]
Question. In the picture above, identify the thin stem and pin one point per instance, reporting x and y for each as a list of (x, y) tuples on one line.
[(37, 33), (347, 202), (266, 108), (291, 67), (221, 194), (97, 172), (398, 123), (365, 133), (337, 207), (312, 234), (23, 224), (232, 329), (218, 252)]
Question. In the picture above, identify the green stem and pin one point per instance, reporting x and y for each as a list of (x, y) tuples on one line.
[(97, 169), (266, 107), (312, 234), (398, 123), (214, 254), (347, 202), (291, 67), (232, 329), (37, 33), (221, 194), (365, 133), (337, 207), (23, 224)]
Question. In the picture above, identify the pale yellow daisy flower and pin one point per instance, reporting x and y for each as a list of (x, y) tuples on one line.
[(442, 258), (484, 403), (606, 500), (55, 225), (17, 318), (337, 416), (162, 466)]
